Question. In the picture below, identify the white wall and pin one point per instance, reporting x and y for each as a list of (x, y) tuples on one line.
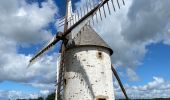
[(88, 74)]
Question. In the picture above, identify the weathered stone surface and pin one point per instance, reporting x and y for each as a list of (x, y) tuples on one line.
[(88, 74)]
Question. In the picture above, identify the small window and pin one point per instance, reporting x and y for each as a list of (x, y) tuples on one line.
[(100, 55)]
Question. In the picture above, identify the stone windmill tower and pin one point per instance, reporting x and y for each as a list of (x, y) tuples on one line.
[(85, 67)]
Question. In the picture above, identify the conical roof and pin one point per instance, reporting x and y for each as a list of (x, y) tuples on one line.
[(88, 36)]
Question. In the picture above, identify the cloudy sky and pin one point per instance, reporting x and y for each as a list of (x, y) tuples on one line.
[(139, 34)]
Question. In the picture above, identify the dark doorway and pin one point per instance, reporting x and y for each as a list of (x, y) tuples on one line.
[(102, 99)]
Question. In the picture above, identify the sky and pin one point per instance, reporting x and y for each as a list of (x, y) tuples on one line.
[(138, 33)]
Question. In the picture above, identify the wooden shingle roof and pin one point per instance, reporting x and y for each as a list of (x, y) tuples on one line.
[(88, 36)]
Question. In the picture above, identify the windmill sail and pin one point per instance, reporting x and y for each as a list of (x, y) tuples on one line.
[(89, 15), (49, 45), (58, 66), (87, 7), (75, 28)]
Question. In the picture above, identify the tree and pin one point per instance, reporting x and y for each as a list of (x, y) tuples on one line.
[(40, 98), (51, 96)]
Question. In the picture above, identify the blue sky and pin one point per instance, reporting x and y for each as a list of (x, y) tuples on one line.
[(8, 85), (141, 45), (155, 63)]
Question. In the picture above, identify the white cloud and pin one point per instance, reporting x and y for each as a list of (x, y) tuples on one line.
[(132, 74), (44, 92), (43, 86), (23, 23), (13, 95), (157, 88), (18, 94)]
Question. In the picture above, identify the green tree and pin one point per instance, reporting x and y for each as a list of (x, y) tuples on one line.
[(51, 96), (40, 98)]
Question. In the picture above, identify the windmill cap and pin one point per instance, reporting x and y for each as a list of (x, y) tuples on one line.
[(87, 36)]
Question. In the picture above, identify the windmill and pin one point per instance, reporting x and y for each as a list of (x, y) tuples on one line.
[(85, 71)]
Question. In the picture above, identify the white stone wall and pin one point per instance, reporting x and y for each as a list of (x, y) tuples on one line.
[(88, 74)]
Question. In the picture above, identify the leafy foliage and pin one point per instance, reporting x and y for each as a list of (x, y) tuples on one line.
[(51, 96), (40, 98)]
